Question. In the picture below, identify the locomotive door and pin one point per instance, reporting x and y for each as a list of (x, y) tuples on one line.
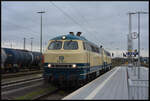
[(88, 58), (102, 52), (88, 53), (87, 48)]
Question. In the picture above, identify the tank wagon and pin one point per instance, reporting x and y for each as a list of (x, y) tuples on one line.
[(3, 58), (16, 59), (72, 59)]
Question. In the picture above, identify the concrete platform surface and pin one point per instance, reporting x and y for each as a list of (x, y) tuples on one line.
[(111, 85)]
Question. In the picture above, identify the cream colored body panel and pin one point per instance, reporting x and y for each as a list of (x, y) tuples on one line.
[(70, 56), (106, 58), (74, 56), (95, 59)]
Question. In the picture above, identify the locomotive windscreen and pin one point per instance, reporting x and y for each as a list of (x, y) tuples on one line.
[(70, 45), (55, 45)]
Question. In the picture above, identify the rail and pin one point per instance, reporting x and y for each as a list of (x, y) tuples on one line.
[(5, 76), (11, 87)]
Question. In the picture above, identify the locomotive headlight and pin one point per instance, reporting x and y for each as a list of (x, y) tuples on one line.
[(74, 65), (49, 65), (64, 37)]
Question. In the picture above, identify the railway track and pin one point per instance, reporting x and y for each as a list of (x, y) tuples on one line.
[(22, 70), (23, 89), (5, 76), (56, 94), (45, 95), (11, 90), (19, 81), (10, 86)]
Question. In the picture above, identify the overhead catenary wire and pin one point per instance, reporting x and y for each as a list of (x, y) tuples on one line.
[(76, 21), (68, 16), (83, 17)]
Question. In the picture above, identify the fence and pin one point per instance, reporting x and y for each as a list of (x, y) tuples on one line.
[(138, 89)]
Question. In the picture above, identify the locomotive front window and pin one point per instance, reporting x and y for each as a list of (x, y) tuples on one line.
[(70, 45), (55, 45)]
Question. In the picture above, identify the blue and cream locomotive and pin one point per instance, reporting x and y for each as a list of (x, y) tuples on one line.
[(73, 59)]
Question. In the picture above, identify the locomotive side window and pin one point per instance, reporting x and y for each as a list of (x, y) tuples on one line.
[(55, 45), (86, 46), (90, 47), (95, 49), (108, 54), (70, 45)]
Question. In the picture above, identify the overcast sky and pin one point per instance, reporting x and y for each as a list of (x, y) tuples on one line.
[(103, 23)]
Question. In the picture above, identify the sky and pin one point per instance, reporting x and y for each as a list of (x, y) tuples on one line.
[(103, 23)]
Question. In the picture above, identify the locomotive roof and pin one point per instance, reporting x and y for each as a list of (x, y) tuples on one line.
[(72, 37), (69, 37)]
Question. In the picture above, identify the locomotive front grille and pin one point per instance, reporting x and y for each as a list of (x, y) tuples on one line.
[(61, 65)]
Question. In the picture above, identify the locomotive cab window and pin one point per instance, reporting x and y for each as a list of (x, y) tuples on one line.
[(70, 45), (55, 45)]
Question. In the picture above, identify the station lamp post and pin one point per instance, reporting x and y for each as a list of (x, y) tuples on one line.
[(41, 31), (24, 44), (130, 43), (139, 63), (31, 42)]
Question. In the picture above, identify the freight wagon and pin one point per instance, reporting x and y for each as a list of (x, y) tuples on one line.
[(16, 59)]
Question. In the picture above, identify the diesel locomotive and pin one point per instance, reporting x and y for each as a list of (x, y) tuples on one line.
[(72, 59)]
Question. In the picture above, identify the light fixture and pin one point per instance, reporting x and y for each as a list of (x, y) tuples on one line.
[(74, 65), (49, 65), (64, 37)]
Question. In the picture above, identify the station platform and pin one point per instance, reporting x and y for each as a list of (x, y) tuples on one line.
[(120, 83), (111, 85)]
